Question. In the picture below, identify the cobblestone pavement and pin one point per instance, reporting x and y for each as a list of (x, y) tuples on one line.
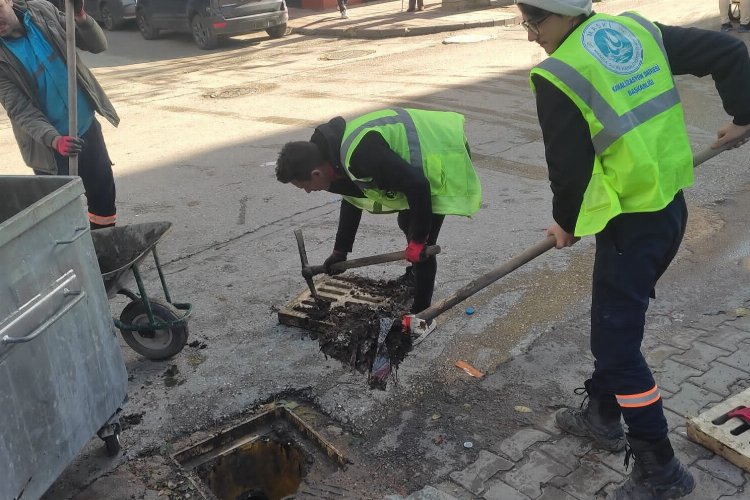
[(696, 363)]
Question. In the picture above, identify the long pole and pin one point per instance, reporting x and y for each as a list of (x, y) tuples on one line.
[(70, 45), (530, 254)]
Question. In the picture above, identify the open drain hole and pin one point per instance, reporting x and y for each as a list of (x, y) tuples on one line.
[(266, 469), (272, 456)]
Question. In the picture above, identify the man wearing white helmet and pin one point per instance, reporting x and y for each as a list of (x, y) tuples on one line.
[(618, 157)]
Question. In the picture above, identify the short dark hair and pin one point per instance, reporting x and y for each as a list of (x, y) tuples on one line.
[(297, 160), (532, 12)]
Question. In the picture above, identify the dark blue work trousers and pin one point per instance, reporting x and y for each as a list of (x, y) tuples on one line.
[(632, 252), (95, 170), (426, 270)]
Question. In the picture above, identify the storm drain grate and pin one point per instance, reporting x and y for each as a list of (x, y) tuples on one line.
[(344, 54), (268, 457), (229, 92), (725, 436), (302, 311)]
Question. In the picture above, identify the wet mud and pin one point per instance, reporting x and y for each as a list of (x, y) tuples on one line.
[(353, 336)]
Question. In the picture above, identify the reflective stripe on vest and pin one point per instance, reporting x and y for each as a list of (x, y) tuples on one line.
[(651, 28), (402, 117), (649, 397), (374, 207), (615, 126)]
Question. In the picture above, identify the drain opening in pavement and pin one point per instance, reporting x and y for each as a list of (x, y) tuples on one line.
[(269, 457)]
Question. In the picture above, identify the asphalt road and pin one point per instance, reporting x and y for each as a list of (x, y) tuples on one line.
[(199, 136)]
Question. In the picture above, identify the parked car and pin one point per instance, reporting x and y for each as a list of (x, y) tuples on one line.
[(112, 14), (210, 20)]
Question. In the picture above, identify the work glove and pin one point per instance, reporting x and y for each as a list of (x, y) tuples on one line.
[(335, 257), (414, 252), (68, 145)]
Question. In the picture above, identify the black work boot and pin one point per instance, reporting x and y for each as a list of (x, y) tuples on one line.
[(657, 474), (598, 418), (408, 277)]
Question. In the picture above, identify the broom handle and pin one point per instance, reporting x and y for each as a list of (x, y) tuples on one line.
[(70, 45)]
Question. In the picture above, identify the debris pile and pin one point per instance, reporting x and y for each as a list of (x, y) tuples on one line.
[(353, 338)]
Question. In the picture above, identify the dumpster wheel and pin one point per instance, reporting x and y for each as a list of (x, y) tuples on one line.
[(113, 444), (110, 434), (157, 344)]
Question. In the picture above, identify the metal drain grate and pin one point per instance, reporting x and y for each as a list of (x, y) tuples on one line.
[(728, 437), (229, 92), (302, 311), (345, 54)]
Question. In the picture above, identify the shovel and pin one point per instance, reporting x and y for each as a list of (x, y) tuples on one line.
[(421, 323), (381, 367)]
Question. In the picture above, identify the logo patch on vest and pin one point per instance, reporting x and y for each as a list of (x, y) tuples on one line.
[(613, 45)]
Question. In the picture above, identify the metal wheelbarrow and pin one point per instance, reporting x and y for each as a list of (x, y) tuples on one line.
[(155, 329)]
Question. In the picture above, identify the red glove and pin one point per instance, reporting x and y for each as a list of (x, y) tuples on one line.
[(414, 252), (78, 8), (67, 145)]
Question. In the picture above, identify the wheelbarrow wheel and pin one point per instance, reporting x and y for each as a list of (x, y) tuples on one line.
[(157, 344)]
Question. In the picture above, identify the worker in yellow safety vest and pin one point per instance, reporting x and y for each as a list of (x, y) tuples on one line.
[(410, 161), (618, 157)]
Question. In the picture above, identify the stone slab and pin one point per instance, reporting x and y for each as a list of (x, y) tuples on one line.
[(475, 475), (714, 431), (515, 446), (538, 470)]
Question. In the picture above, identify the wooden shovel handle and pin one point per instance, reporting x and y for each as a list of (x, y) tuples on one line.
[(369, 261), (487, 279)]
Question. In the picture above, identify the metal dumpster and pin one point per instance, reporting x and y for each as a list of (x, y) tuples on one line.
[(62, 376)]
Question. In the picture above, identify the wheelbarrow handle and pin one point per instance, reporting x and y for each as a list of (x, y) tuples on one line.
[(487, 279), (369, 261)]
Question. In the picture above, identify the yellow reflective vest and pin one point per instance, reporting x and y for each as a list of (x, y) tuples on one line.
[(615, 69), (433, 141)]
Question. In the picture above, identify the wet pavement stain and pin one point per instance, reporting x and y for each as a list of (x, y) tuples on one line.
[(541, 297), (170, 377), (196, 360)]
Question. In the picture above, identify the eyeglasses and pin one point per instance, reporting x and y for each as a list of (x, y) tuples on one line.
[(533, 26)]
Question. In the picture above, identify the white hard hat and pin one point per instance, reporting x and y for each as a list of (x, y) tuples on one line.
[(562, 7)]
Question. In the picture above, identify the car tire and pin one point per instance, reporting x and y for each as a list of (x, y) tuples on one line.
[(277, 31), (148, 32), (109, 21), (203, 33)]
